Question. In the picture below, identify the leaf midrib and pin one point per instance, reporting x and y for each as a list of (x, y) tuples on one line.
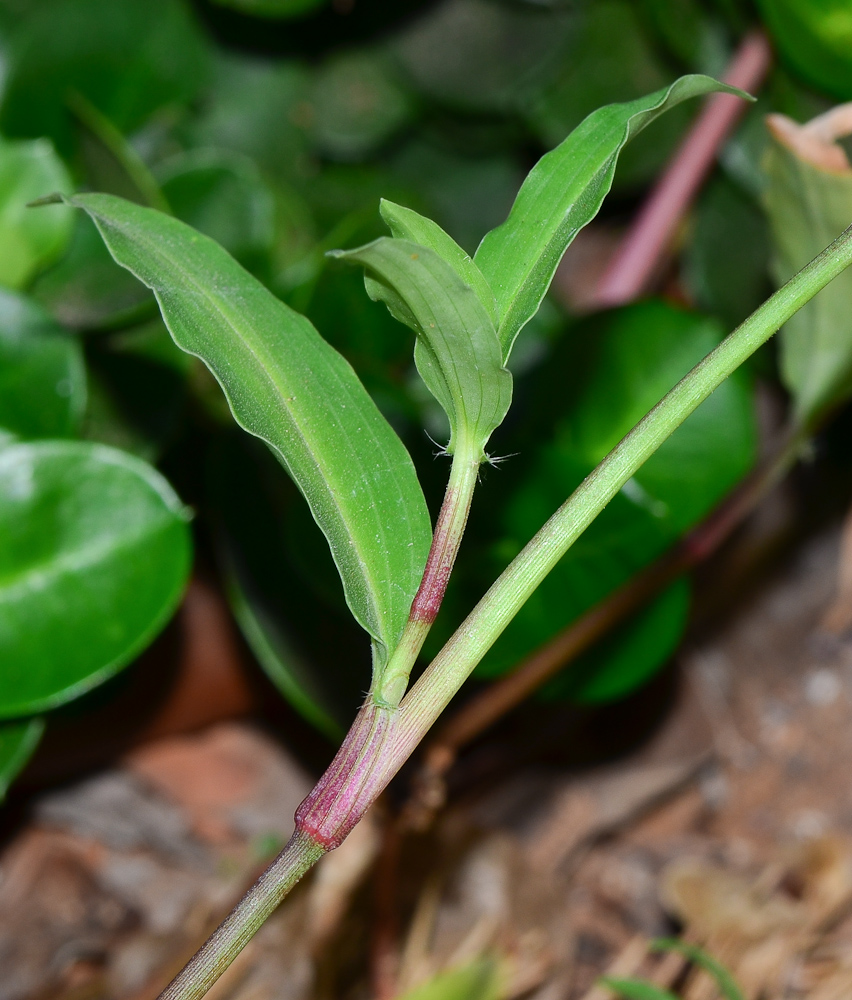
[(216, 303)]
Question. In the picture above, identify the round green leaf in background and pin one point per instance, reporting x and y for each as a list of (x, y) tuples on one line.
[(42, 374), (94, 555), (607, 373), (815, 39)]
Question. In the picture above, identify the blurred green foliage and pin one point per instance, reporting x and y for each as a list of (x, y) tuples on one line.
[(282, 153)]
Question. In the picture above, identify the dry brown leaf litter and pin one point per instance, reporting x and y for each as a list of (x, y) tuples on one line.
[(732, 824)]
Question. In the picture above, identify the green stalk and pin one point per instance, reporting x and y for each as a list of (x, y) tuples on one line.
[(382, 738), (446, 540), (242, 923), (454, 664)]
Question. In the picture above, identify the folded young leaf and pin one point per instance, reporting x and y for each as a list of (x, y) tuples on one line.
[(562, 193), (406, 224), (808, 199), (290, 388), (457, 352)]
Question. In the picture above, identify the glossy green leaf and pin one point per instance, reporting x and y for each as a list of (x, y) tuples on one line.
[(808, 205), (18, 741), (608, 372), (286, 385), (698, 956), (636, 989), (94, 555), (632, 357), (815, 38), (30, 240), (562, 193), (128, 59), (42, 374), (457, 352), (406, 224)]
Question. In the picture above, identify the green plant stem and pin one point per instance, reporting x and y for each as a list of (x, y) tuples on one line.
[(503, 695), (299, 855), (449, 529), (448, 671), (382, 739)]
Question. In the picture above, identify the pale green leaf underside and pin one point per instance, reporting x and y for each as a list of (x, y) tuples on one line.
[(457, 352), (406, 224), (290, 388), (561, 194)]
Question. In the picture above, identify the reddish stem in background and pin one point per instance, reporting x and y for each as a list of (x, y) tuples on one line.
[(637, 260)]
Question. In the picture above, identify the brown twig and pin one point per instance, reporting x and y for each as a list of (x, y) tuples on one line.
[(638, 258), (507, 693)]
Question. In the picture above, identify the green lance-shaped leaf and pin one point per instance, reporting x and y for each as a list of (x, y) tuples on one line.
[(457, 352), (290, 388), (18, 741), (94, 555), (406, 224), (808, 198), (562, 193)]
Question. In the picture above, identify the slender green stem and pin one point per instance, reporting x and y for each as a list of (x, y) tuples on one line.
[(503, 695), (446, 540), (448, 671), (383, 738), (299, 855)]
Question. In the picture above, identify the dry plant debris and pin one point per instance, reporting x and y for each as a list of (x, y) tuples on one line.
[(732, 826)]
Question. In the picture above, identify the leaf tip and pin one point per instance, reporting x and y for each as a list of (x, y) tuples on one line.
[(49, 199)]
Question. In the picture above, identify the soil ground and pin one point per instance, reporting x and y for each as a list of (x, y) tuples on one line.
[(731, 825)]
